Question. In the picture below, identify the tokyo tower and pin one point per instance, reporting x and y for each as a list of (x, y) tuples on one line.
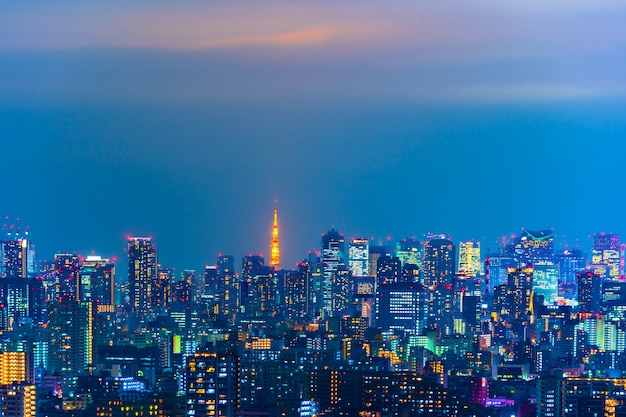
[(274, 248)]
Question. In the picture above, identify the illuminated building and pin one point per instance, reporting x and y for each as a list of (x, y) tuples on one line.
[(375, 253), (469, 264), (211, 384), (274, 247), (497, 268), (534, 246), (519, 293), (548, 396), (15, 367), (297, 300), (97, 283), (71, 340), (210, 281), (607, 256), (160, 294), (67, 269), (569, 262), (480, 390), (589, 292), (389, 270), (546, 281), (18, 400), (439, 262), (408, 251), (15, 256), (142, 269), (401, 308), (227, 304), (358, 256), (333, 273)]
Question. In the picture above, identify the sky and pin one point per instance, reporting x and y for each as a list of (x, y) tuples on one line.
[(185, 121)]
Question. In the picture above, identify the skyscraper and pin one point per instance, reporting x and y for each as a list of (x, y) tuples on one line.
[(469, 259), (358, 256), (439, 262), (589, 292), (97, 283), (332, 264), (534, 247), (142, 268), (227, 304), (66, 269), (275, 248), (607, 255), (71, 340)]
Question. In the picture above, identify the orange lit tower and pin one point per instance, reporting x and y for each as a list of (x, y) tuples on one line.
[(274, 248)]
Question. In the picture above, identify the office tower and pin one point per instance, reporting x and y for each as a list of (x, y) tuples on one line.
[(408, 251), (211, 384), (614, 299), (469, 264), (142, 268), (274, 247), (389, 270), (497, 267), (257, 287), (210, 281), (297, 305), (401, 308), (519, 293), (14, 258), (534, 247), (589, 292), (67, 269), (375, 253), (71, 340), (546, 281), (569, 262), (439, 262), (333, 272), (160, 295), (607, 255), (480, 390), (358, 256), (315, 283), (97, 283), (227, 305)]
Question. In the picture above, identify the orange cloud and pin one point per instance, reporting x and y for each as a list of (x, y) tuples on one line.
[(316, 35)]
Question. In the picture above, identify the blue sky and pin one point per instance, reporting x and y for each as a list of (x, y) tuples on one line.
[(185, 122)]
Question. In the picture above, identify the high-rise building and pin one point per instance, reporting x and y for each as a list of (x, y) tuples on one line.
[(211, 384), (469, 264), (142, 269), (274, 247), (389, 270), (227, 305), (409, 253), (71, 340), (358, 256), (160, 294), (607, 255), (546, 281), (534, 247), (439, 262), (67, 269), (375, 253), (333, 272), (401, 308), (589, 291), (18, 400), (15, 258), (569, 262), (297, 305), (97, 283), (15, 367), (519, 293)]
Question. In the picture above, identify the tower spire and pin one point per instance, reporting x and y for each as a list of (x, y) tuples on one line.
[(274, 247)]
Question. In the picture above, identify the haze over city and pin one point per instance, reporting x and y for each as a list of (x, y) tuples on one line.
[(186, 121)]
